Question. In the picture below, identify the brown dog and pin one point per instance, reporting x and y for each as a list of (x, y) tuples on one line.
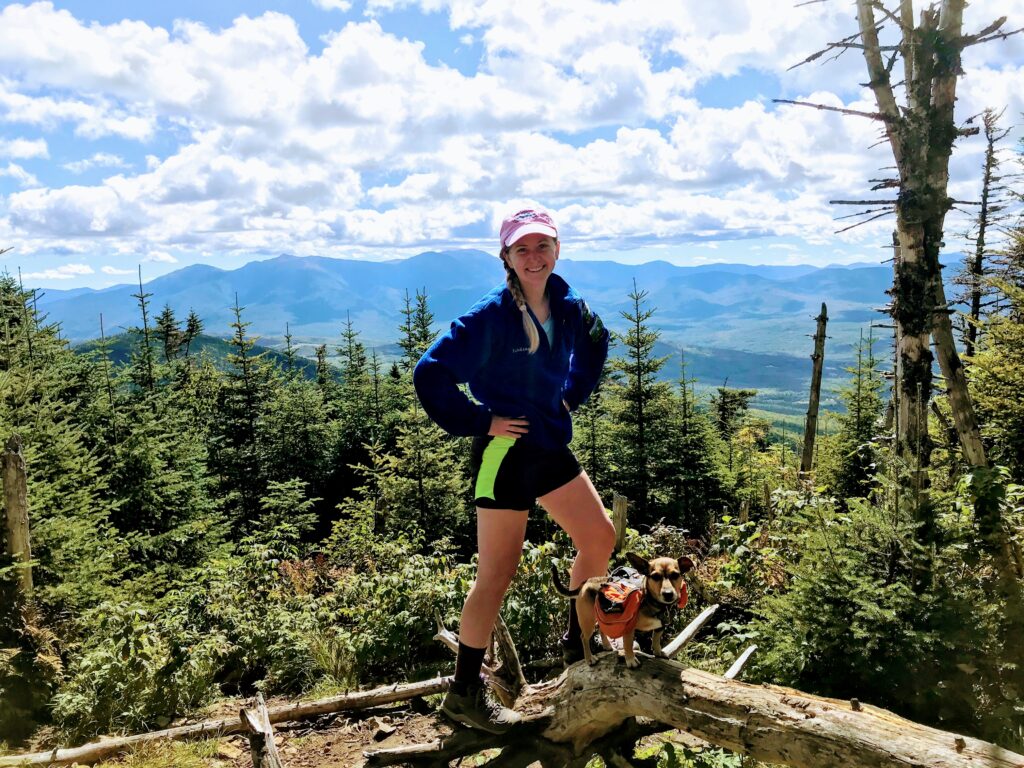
[(661, 589)]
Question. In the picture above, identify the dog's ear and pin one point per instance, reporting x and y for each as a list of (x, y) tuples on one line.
[(686, 564), (639, 563)]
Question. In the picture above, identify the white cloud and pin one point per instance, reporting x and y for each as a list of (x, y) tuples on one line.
[(98, 160), (160, 256), (333, 5), (24, 149), (19, 174), (108, 270), (66, 272)]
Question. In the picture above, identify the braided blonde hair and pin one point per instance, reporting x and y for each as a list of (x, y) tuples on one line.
[(516, 289)]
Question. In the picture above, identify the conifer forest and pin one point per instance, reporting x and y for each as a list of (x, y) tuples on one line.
[(204, 527)]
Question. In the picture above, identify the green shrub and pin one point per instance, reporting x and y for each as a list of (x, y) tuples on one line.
[(130, 677)]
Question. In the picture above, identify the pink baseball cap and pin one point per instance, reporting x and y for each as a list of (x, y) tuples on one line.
[(527, 222)]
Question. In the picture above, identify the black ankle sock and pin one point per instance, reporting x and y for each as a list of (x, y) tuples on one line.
[(467, 668), (573, 634)]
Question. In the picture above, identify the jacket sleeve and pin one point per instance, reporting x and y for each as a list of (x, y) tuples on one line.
[(450, 361), (590, 350)]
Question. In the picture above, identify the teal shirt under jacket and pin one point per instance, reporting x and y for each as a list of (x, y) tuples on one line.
[(487, 348)]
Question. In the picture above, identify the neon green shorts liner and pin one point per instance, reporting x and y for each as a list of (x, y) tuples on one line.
[(512, 474)]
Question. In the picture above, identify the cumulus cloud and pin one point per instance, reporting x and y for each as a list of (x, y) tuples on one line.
[(98, 160), (109, 270), (66, 272), (19, 174), (24, 148)]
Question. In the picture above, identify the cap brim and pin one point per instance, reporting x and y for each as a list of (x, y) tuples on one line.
[(531, 228)]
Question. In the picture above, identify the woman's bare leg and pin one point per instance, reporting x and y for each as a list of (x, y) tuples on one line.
[(577, 508), (500, 534)]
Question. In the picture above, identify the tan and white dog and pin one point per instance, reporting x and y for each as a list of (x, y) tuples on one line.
[(662, 590)]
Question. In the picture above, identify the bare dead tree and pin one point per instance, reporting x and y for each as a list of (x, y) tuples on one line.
[(976, 294), (919, 127), (811, 424)]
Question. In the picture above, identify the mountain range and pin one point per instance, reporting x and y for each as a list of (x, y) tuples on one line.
[(750, 323)]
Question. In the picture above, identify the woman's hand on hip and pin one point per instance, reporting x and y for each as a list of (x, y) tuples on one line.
[(502, 426)]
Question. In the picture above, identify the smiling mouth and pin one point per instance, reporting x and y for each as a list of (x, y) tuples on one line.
[(537, 269)]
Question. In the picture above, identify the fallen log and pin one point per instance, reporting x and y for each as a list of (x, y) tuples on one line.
[(96, 751), (769, 723)]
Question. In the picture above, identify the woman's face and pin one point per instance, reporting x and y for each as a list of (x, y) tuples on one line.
[(532, 258)]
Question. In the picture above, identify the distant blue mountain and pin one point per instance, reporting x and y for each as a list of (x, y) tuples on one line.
[(760, 309)]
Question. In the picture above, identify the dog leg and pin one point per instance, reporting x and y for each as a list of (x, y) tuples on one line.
[(605, 642), (585, 612), (656, 644), (632, 662)]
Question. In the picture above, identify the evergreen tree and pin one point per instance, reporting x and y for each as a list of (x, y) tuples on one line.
[(166, 509), (168, 333), (142, 368), (642, 429), (297, 440), (235, 451), (193, 327), (326, 379), (997, 374), (851, 468), (416, 336), (697, 481), (729, 410), (355, 415), (290, 367)]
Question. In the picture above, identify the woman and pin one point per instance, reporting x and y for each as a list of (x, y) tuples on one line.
[(531, 351)]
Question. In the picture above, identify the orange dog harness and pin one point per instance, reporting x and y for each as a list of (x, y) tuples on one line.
[(618, 606)]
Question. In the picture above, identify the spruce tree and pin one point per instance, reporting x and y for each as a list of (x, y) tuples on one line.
[(355, 428), (297, 440), (168, 333), (193, 328), (235, 453), (143, 364), (849, 473), (696, 478), (729, 409), (997, 371), (642, 431)]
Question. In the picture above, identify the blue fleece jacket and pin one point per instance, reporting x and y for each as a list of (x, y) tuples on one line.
[(488, 348)]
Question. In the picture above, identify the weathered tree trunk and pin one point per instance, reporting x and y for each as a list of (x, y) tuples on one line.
[(811, 424), (913, 383), (921, 136), (16, 506), (769, 723), (261, 735)]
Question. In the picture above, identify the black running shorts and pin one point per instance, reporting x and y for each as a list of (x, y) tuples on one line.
[(511, 474)]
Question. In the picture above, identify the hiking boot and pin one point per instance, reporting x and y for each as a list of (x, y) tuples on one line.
[(572, 650), (477, 710)]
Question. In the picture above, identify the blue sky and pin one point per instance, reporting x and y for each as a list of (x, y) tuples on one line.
[(166, 134)]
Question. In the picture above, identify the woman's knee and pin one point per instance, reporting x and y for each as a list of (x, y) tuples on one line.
[(597, 539), (492, 583)]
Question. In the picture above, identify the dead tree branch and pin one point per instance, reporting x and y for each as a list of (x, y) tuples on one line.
[(827, 108)]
